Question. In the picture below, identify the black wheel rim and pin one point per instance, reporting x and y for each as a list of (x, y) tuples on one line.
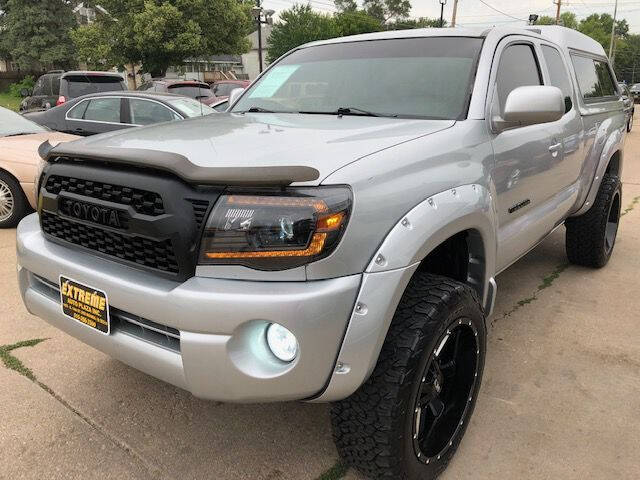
[(446, 391), (613, 219)]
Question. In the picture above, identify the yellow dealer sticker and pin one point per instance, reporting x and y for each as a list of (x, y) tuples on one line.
[(85, 304)]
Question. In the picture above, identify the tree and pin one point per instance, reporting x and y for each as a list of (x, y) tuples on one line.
[(567, 19), (36, 34), (386, 10), (422, 22), (355, 22), (159, 34), (598, 27), (298, 25)]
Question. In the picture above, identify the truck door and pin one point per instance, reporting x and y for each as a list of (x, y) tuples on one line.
[(532, 163)]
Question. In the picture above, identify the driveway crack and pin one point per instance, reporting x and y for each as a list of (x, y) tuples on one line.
[(15, 364)]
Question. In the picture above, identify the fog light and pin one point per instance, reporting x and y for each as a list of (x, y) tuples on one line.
[(282, 342)]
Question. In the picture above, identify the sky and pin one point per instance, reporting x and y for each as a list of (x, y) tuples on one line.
[(475, 13)]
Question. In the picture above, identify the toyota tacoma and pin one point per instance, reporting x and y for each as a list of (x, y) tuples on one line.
[(335, 236)]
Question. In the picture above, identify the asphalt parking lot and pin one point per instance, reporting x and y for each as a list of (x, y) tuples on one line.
[(560, 398)]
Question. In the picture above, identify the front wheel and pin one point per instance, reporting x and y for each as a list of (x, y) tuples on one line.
[(408, 419), (13, 204), (630, 123)]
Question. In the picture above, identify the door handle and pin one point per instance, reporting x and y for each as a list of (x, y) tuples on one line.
[(555, 147)]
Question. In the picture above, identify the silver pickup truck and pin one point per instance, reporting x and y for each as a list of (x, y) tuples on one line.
[(335, 236)]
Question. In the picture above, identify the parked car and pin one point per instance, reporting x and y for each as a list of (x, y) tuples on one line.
[(19, 159), (629, 104), (110, 111), (56, 88), (341, 246), (222, 89), (191, 88), (635, 91)]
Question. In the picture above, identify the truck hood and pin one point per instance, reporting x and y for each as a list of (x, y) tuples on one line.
[(233, 147)]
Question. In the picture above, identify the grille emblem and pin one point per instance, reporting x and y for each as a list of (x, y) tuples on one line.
[(91, 213)]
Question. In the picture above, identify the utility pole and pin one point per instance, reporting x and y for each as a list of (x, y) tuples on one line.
[(442, 4), (559, 4), (613, 33), (261, 17), (455, 13)]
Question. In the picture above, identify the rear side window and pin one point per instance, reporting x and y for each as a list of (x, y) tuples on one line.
[(558, 74), (103, 110), (594, 78), (518, 68), (77, 112), (144, 112), (78, 85)]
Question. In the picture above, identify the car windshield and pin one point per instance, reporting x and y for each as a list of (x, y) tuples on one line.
[(409, 77), (193, 91), (190, 107), (12, 124), (635, 86), (78, 85)]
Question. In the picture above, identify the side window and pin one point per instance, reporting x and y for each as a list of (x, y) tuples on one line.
[(558, 74), (144, 112), (55, 85), (103, 110), (594, 77), (606, 80), (39, 87), (518, 68), (77, 112)]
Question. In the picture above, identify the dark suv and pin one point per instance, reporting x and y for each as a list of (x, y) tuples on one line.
[(55, 88)]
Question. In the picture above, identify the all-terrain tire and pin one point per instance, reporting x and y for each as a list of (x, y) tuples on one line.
[(590, 238), (16, 202), (374, 428)]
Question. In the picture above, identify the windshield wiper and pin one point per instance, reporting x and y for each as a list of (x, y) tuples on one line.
[(341, 111), (17, 134)]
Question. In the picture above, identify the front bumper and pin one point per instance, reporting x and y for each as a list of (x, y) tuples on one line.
[(221, 353)]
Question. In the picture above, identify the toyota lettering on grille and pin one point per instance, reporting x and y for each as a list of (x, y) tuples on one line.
[(108, 217)]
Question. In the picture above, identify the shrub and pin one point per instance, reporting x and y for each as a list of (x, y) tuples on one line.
[(27, 82)]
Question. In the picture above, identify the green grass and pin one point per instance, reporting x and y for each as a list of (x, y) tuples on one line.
[(7, 101), (13, 363), (334, 473)]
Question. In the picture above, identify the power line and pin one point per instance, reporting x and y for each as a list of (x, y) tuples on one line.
[(500, 11)]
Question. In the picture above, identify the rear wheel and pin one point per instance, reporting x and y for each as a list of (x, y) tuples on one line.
[(408, 419), (590, 238), (13, 204)]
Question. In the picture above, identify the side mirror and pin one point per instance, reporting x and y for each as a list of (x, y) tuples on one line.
[(25, 93), (531, 106), (234, 95)]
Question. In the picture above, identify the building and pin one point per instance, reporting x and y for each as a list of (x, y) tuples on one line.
[(250, 59), (209, 69)]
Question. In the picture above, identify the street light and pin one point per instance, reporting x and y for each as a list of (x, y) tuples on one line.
[(442, 4), (261, 16)]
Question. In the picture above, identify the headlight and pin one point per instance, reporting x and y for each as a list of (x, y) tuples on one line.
[(276, 231)]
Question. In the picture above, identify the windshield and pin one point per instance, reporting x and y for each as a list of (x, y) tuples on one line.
[(193, 91), (12, 123), (412, 77), (190, 107), (79, 85)]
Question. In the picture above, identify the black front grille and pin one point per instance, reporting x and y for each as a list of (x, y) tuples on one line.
[(200, 208), (142, 201), (143, 218), (158, 255)]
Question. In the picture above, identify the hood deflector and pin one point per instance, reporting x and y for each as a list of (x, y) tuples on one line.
[(181, 166)]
